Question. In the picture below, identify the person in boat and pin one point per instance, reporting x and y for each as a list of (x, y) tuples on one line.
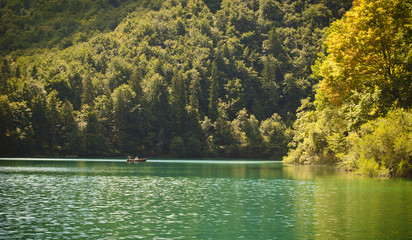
[(128, 158), (136, 158)]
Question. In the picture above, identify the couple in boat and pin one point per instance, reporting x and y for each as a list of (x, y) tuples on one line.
[(136, 159)]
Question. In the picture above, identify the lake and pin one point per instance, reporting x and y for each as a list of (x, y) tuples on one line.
[(197, 199)]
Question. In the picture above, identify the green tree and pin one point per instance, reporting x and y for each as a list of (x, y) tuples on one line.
[(6, 123), (95, 143), (54, 120), (274, 136), (271, 82), (194, 89), (318, 134), (119, 72), (213, 5), (177, 147), (273, 45), (214, 92), (5, 72), (247, 134), (271, 10), (223, 135), (160, 113), (70, 133), (317, 16), (40, 123), (88, 90), (178, 102), (125, 113)]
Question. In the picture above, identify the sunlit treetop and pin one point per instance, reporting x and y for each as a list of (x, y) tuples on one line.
[(369, 49)]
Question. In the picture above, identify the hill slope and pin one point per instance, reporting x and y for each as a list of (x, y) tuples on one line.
[(180, 80)]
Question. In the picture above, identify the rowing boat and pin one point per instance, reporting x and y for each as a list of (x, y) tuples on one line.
[(137, 160)]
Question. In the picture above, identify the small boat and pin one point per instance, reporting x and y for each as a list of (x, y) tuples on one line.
[(136, 159), (140, 160)]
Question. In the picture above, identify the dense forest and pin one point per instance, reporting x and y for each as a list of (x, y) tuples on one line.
[(315, 80)]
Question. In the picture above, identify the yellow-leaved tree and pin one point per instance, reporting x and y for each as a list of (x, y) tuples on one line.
[(361, 118), (369, 50)]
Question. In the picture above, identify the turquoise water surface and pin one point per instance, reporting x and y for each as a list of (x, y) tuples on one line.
[(197, 199)]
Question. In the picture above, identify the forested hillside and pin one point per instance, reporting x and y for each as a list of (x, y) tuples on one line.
[(26, 24), (157, 78)]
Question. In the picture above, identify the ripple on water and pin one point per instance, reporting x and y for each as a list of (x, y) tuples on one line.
[(128, 202), (74, 205)]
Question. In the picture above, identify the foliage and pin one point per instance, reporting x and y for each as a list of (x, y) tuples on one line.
[(39, 24), (317, 135), (275, 136), (161, 78), (367, 51), (357, 120), (383, 147)]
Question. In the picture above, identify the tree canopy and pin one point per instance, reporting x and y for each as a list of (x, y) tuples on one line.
[(361, 118), (159, 78), (369, 50)]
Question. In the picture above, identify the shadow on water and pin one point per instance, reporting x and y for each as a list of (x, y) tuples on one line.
[(160, 168), (214, 168)]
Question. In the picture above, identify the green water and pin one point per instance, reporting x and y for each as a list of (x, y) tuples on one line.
[(198, 199)]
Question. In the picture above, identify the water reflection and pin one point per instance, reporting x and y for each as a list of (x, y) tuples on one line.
[(338, 205), (217, 200), (220, 169), (307, 172)]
